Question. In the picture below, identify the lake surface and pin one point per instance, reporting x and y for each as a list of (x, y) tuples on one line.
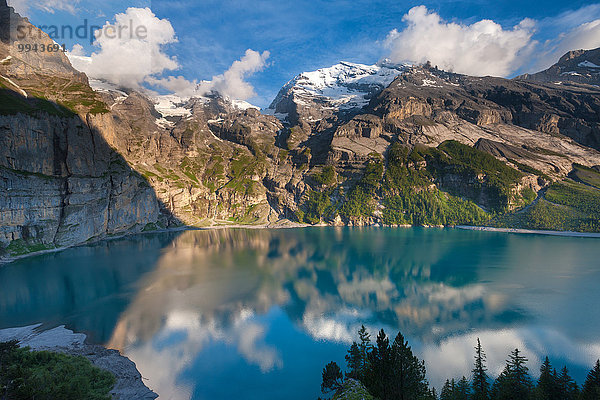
[(256, 314)]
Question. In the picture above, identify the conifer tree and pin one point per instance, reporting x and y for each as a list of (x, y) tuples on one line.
[(514, 382), (333, 379), (379, 377), (409, 372), (447, 392), (481, 386), (547, 387), (357, 357), (567, 387), (354, 362), (364, 347), (591, 387), (463, 389)]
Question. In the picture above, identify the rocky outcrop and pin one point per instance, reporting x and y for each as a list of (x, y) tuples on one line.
[(62, 184), (61, 181), (575, 67), (129, 384), (352, 389)]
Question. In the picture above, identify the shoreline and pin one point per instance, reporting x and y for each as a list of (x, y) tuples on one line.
[(129, 381), (530, 231), (287, 224), (281, 224)]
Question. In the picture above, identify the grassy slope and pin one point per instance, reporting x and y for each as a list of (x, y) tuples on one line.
[(567, 205)]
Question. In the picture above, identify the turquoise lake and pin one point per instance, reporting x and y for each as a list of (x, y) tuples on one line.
[(256, 314)]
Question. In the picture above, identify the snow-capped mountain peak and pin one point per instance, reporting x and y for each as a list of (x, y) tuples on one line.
[(342, 87)]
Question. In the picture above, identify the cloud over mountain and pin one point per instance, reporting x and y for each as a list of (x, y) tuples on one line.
[(132, 52), (482, 48), (130, 49)]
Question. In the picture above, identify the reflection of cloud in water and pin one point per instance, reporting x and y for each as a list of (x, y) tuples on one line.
[(213, 286), (455, 354), (184, 335), (340, 328)]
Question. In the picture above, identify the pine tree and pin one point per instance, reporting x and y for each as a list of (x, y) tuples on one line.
[(463, 389), (409, 372), (354, 362), (447, 392), (364, 347), (332, 378), (567, 387), (591, 387), (514, 382), (379, 377), (481, 386), (547, 387), (357, 357)]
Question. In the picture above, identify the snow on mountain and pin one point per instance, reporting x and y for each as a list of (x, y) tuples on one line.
[(588, 64), (243, 105), (343, 86), (171, 105)]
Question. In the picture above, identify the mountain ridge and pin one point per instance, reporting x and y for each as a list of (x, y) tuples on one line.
[(345, 145)]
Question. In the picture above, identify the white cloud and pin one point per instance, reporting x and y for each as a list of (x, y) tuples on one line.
[(483, 48), (230, 84), (130, 50)]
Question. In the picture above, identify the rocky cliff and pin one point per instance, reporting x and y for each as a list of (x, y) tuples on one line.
[(351, 144), (61, 181)]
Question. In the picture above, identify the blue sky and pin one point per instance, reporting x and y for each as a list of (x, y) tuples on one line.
[(305, 35)]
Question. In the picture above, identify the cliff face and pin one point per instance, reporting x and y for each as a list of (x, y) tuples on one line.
[(61, 183), (349, 144)]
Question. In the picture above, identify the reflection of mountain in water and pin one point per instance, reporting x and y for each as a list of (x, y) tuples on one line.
[(84, 287), (418, 281), (286, 301), (232, 289)]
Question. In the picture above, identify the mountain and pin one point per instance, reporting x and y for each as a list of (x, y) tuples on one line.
[(344, 87), (351, 144), (578, 66)]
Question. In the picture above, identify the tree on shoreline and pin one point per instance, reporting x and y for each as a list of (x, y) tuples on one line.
[(480, 385), (591, 387), (566, 385), (514, 381), (392, 372)]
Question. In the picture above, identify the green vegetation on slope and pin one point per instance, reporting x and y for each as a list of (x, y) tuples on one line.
[(586, 175), (408, 187), (42, 375), (20, 247), (360, 199), (325, 177), (316, 207), (12, 103), (566, 205), (431, 208), (411, 198), (492, 179)]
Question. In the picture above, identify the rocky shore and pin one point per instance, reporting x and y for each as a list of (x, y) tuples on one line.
[(129, 384), (530, 231)]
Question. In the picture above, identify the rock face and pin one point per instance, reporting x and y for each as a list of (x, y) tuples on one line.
[(82, 160), (61, 182), (352, 390), (129, 384)]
